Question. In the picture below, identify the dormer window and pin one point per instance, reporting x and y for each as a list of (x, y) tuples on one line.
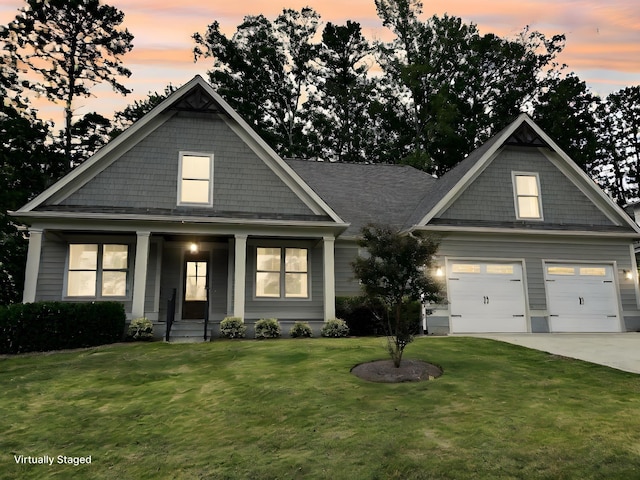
[(195, 182), (526, 189)]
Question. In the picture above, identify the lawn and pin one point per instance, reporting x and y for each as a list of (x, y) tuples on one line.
[(290, 409)]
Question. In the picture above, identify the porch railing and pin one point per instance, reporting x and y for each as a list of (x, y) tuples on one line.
[(171, 314), (206, 317)]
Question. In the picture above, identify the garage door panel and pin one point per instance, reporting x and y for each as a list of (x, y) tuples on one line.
[(486, 297), (582, 301)]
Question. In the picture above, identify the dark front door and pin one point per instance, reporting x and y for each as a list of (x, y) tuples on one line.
[(196, 281)]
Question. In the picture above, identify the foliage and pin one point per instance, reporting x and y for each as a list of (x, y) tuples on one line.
[(300, 330), (140, 329), (42, 326), (396, 271), (138, 109), (335, 328), (264, 71), (232, 327), (363, 315), (72, 46), (267, 328)]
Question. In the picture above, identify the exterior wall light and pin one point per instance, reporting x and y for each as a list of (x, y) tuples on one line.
[(439, 272), (193, 247), (628, 274)]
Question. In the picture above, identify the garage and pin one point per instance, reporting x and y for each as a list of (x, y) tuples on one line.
[(486, 297), (581, 298)]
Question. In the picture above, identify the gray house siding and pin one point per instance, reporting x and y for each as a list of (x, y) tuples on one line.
[(146, 176), (286, 309), (346, 284), (490, 197), (53, 260), (534, 251)]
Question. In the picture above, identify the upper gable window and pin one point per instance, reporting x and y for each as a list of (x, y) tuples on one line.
[(195, 182), (526, 187)]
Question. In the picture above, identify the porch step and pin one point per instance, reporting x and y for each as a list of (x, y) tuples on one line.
[(189, 332)]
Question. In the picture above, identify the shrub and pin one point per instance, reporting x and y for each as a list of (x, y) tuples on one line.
[(335, 328), (43, 326), (300, 330), (233, 327), (140, 329), (267, 328)]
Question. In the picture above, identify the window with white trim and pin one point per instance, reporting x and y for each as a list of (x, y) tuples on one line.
[(195, 179), (282, 272), (97, 270), (526, 188)]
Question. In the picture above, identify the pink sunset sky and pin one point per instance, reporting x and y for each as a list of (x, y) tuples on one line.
[(602, 48)]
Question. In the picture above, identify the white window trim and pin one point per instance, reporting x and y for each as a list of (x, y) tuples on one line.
[(515, 196), (282, 272), (209, 203), (99, 273)]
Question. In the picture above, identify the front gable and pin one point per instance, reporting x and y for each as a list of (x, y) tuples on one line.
[(141, 172), (523, 181)]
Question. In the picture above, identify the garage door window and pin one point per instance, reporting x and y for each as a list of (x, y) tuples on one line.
[(498, 269), (593, 271), (465, 268), (561, 270)]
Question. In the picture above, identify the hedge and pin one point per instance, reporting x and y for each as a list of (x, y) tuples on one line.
[(365, 318), (43, 326)]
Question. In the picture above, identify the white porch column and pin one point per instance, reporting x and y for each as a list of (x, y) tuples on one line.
[(33, 265), (240, 275), (328, 244), (140, 274)]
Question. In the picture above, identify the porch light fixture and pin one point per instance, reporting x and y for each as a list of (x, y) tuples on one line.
[(193, 247), (628, 274), (439, 272)]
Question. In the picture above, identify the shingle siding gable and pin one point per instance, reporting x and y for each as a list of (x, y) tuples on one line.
[(490, 196), (147, 175)]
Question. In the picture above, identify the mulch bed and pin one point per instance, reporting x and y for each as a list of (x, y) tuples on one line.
[(383, 371)]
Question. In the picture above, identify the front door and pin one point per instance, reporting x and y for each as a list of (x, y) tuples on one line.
[(196, 281)]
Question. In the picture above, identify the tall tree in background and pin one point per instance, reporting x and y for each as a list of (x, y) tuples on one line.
[(72, 45), (265, 72), (339, 113), (455, 87)]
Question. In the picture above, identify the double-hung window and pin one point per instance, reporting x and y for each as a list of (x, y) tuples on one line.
[(526, 188), (97, 270), (195, 182), (282, 272)]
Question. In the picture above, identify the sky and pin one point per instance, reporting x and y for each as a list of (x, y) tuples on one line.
[(602, 46)]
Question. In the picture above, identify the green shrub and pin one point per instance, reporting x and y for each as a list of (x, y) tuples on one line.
[(233, 327), (335, 328), (300, 330), (140, 329), (267, 328), (43, 326), (367, 317)]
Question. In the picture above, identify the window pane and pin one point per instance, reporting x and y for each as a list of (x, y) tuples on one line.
[(267, 284), (561, 270), (83, 257), (465, 268), (114, 284), (296, 285), (194, 191), (114, 257), (528, 207), (81, 284), (500, 269), (595, 271), (195, 289), (268, 259), (526, 185), (296, 259), (196, 167)]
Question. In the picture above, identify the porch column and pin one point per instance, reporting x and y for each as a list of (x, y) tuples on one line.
[(140, 274), (328, 244), (240, 275), (33, 265)]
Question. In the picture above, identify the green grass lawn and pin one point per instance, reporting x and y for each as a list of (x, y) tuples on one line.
[(290, 409)]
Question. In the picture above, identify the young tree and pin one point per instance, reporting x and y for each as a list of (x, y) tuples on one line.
[(72, 45), (396, 270)]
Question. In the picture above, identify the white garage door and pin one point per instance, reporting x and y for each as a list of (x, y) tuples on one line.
[(486, 297), (582, 298)]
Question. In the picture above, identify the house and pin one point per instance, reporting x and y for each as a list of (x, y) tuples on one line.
[(189, 215)]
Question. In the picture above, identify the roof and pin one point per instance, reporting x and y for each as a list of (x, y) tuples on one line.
[(367, 193)]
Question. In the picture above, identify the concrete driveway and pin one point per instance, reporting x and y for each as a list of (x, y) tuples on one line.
[(616, 350)]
